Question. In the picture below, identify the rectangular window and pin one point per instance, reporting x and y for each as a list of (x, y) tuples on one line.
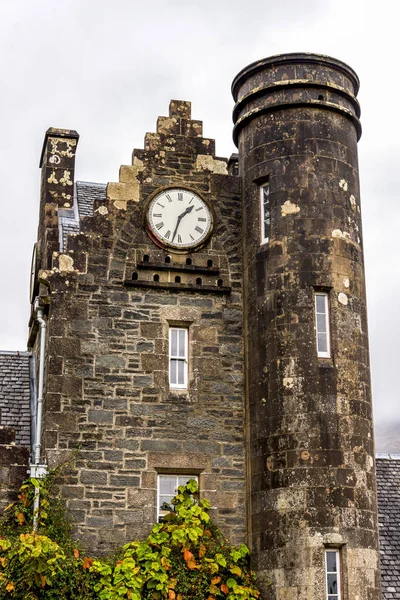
[(167, 486), (265, 211), (332, 570), (322, 324), (178, 357)]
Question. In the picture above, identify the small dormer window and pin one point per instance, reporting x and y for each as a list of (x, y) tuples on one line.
[(265, 213)]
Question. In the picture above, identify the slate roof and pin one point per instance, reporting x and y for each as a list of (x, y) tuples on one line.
[(84, 196), (388, 483), (16, 394)]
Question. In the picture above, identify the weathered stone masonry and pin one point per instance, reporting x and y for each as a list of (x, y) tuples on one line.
[(107, 389), (310, 446), (278, 436)]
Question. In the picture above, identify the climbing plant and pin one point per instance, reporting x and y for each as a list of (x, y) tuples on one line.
[(185, 557)]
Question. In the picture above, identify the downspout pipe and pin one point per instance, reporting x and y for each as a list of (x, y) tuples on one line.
[(39, 410)]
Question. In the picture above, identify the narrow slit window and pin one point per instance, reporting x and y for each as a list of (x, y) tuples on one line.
[(332, 570), (167, 487), (265, 211), (178, 357), (322, 324)]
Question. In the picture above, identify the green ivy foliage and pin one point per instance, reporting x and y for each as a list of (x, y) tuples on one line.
[(185, 557)]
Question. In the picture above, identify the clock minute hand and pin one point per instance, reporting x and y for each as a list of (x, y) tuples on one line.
[(185, 212)]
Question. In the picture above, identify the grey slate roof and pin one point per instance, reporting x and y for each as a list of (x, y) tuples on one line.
[(388, 483), (85, 195), (16, 394)]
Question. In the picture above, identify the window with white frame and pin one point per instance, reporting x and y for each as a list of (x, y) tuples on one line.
[(332, 570), (167, 487), (178, 357), (322, 324), (265, 213)]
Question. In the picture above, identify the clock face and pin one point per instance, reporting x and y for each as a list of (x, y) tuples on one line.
[(179, 218)]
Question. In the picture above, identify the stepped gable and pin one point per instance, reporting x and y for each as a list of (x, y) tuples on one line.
[(388, 480), (15, 394)]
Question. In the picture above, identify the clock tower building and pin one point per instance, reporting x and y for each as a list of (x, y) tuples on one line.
[(206, 318)]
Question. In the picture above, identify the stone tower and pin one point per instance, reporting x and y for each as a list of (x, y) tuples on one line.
[(312, 516), (116, 288)]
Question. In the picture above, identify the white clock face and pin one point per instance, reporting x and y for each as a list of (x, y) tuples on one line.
[(179, 218)]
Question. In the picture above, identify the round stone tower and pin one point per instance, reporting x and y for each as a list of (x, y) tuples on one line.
[(311, 480)]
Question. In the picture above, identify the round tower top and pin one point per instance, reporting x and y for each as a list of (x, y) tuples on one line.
[(289, 80), (295, 58)]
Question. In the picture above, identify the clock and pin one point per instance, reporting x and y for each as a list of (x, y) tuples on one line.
[(179, 218)]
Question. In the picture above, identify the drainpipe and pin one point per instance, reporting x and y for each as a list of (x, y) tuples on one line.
[(37, 469)]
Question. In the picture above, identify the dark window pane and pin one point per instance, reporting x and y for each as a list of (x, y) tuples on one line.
[(167, 485), (173, 367), (322, 342), (174, 342), (181, 372), (320, 303), (321, 326), (332, 584), (331, 562), (182, 337)]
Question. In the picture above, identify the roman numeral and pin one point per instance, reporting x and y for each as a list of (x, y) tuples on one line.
[(202, 219), (191, 200), (168, 197), (180, 196), (167, 234), (191, 237), (159, 225), (158, 215), (158, 204), (179, 239), (201, 208), (199, 229)]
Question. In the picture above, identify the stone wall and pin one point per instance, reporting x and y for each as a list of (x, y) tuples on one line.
[(14, 462), (107, 392)]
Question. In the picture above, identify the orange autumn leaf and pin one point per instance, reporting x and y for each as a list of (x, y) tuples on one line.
[(43, 580), (224, 588), (191, 563), (179, 597), (10, 586), (76, 552), (187, 555), (216, 580), (211, 597), (20, 518), (165, 563), (171, 594), (202, 551), (87, 562)]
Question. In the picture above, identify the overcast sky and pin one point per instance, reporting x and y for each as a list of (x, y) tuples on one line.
[(109, 68)]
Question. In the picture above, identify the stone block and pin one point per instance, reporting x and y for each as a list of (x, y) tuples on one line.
[(102, 417), (124, 481), (93, 477)]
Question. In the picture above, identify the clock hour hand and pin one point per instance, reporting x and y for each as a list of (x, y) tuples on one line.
[(185, 212)]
